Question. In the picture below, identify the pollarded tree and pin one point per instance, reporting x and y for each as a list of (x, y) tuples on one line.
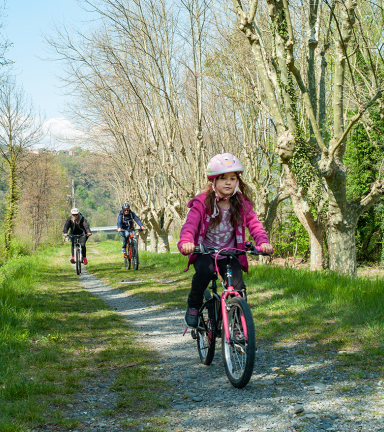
[(129, 75), (20, 129), (364, 162), (246, 126), (308, 57)]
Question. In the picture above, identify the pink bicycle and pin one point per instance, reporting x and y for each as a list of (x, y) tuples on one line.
[(227, 316)]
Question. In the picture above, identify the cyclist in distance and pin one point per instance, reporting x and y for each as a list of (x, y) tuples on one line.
[(218, 218), (78, 225), (125, 222)]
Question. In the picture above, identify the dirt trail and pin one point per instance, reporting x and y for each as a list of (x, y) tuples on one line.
[(289, 391)]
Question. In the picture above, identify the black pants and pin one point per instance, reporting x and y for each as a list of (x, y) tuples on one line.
[(205, 268), (82, 241)]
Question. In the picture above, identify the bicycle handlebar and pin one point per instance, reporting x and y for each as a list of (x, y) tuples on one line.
[(76, 235), (201, 249), (133, 229)]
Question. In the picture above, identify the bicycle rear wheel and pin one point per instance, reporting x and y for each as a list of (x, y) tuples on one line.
[(239, 353), (135, 257), (205, 333), (78, 263)]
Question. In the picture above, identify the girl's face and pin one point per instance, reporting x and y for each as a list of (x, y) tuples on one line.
[(225, 184)]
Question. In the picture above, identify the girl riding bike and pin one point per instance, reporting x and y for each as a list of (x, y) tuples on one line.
[(218, 218)]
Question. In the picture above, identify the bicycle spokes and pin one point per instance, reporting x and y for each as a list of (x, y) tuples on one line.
[(205, 335), (237, 342)]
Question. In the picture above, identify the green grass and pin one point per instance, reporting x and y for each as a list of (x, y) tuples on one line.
[(56, 338), (332, 312), (106, 262)]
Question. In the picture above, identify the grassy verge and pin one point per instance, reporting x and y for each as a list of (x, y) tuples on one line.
[(334, 313), (55, 340)]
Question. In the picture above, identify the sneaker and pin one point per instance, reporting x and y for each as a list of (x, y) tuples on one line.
[(191, 317), (72, 260), (123, 250), (85, 261)]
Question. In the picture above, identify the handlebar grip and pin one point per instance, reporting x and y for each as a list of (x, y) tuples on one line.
[(199, 249)]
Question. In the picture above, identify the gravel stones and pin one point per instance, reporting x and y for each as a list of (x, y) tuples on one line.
[(299, 409), (205, 401)]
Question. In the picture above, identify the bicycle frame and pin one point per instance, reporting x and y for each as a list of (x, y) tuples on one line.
[(130, 241), (229, 317), (228, 291), (77, 238), (77, 249)]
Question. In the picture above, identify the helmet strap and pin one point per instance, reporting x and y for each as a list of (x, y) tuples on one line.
[(216, 210)]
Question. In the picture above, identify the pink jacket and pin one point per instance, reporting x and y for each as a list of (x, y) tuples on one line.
[(196, 226)]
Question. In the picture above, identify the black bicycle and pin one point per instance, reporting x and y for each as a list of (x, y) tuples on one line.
[(228, 317), (77, 251), (131, 256)]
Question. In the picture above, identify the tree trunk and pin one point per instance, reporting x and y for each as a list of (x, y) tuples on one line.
[(163, 241), (11, 206), (317, 251), (341, 245), (153, 240), (314, 229), (142, 240)]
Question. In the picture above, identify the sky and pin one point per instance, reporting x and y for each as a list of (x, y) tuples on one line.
[(26, 23)]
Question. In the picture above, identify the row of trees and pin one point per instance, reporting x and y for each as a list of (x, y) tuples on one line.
[(163, 86), (33, 183)]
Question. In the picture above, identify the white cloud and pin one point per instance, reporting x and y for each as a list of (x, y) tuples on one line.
[(61, 133)]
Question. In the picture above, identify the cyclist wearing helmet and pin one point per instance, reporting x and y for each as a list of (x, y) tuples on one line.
[(78, 225), (125, 222), (218, 218)]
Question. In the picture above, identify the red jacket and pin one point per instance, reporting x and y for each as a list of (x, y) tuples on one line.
[(196, 226)]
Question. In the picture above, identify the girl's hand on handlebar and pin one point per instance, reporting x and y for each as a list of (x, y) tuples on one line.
[(118, 229), (65, 235), (267, 248), (188, 248), (89, 234)]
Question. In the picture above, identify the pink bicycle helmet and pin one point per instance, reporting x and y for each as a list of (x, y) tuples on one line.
[(223, 163)]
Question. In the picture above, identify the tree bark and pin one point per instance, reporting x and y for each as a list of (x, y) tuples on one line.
[(341, 245), (142, 240), (317, 251), (153, 240), (11, 206), (163, 241)]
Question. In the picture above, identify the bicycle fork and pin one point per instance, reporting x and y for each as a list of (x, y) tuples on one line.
[(231, 292)]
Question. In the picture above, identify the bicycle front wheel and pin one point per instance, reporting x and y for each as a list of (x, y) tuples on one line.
[(127, 263), (239, 352), (205, 332), (135, 257), (78, 263)]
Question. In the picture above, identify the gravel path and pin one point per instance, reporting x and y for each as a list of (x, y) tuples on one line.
[(291, 390)]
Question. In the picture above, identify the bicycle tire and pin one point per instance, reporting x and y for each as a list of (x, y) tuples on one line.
[(239, 354), (127, 263), (135, 257), (78, 263), (205, 333)]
